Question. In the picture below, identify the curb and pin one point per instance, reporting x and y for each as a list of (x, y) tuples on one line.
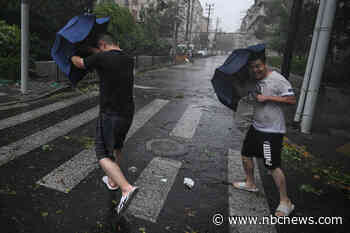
[(68, 86), (38, 97)]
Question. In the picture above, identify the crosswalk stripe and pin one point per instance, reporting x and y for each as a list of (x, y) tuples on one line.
[(186, 127), (29, 143), (238, 199), (145, 114), (26, 116), (69, 174), (72, 172), (155, 182)]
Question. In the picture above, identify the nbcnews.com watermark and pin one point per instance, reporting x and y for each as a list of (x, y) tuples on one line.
[(219, 219)]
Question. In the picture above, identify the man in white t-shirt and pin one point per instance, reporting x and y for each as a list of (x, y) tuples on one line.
[(265, 137)]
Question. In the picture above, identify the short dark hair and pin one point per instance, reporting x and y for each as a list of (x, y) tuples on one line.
[(108, 38), (257, 56)]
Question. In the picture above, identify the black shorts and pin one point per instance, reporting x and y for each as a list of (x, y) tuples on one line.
[(111, 131), (263, 145)]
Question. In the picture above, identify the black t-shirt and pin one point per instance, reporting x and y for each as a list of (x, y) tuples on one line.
[(115, 70)]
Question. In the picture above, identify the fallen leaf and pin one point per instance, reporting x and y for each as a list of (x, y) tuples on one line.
[(44, 214)]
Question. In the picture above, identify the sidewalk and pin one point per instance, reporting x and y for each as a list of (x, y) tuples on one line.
[(38, 88)]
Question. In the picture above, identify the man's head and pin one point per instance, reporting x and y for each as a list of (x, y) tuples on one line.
[(106, 42), (257, 66)]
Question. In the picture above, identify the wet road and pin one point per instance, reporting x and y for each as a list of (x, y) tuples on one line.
[(50, 180)]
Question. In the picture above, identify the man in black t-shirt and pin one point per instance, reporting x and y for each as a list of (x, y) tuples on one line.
[(115, 70)]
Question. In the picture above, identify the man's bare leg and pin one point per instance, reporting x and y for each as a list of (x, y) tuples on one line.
[(113, 171), (117, 155), (280, 182), (248, 166)]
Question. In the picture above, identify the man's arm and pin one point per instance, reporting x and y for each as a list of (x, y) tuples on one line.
[(290, 99), (78, 62)]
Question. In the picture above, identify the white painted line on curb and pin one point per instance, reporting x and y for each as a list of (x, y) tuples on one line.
[(186, 127), (26, 116), (144, 87), (19, 105), (72, 172), (29, 143), (243, 203), (153, 191)]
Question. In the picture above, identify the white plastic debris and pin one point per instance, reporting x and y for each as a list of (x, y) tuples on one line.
[(132, 169), (189, 182), (164, 180)]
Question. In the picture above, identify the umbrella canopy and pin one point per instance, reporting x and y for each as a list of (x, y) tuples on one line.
[(231, 81), (80, 30)]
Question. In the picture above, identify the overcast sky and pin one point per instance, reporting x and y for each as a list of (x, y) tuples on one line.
[(230, 13)]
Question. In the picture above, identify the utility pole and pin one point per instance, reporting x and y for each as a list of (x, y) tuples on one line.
[(318, 66), (310, 62), (292, 33), (175, 31), (209, 9), (191, 20), (188, 18), (24, 44), (216, 31)]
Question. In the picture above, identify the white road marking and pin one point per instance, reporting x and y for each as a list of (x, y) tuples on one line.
[(72, 172), (26, 116), (29, 143), (145, 114), (186, 127), (153, 191)]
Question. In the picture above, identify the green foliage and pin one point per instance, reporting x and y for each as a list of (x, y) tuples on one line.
[(144, 38), (121, 25), (158, 27), (46, 18), (298, 64), (278, 33), (10, 53)]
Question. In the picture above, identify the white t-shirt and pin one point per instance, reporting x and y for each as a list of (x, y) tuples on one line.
[(268, 116)]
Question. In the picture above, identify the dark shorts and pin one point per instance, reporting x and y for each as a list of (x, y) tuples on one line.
[(263, 145), (111, 131)]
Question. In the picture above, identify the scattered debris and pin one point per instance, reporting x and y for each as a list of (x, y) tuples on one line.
[(46, 147), (309, 189), (59, 211), (189, 182), (44, 214), (132, 169)]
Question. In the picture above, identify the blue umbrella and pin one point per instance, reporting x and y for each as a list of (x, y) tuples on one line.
[(79, 30), (231, 80)]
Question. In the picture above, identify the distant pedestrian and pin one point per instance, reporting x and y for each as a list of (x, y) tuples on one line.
[(265, 136), (115, 70)]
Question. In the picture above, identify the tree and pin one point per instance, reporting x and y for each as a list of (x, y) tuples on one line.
[(46, 18)]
